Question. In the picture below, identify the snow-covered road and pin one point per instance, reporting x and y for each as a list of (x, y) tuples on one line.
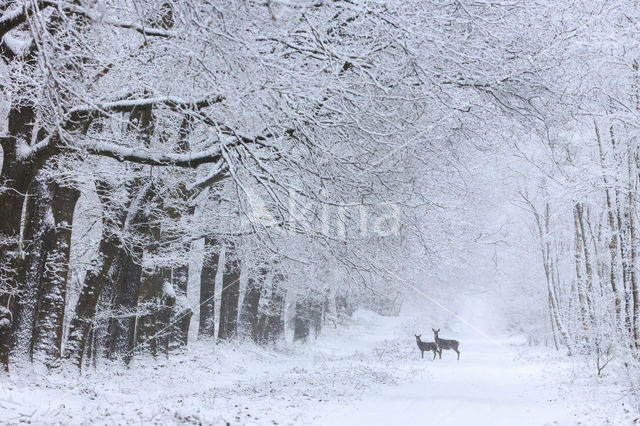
[(490, 385), (368, 373)]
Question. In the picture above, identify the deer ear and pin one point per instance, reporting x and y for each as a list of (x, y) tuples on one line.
[(433, 329)]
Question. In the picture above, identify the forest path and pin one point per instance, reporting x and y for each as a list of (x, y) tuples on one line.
[(367, 373), (490, 385)]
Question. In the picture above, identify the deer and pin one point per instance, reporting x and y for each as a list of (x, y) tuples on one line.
[(426, 346), (445, 344)]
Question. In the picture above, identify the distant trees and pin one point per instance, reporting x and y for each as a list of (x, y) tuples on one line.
[(581, 193)]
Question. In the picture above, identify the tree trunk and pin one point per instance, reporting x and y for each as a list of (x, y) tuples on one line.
[(106, 268), (588, 291), (18, 178), (5, 337), (613, 237), (37, 231), (167, 305), (121, 329), (249, 313), (228, 325), (207, 289), (315, 314), (623, 232), (182, 312), (635, 297), (151, 292), (579, 278), (301, 323), (15, 179), (274, 315), (271, 322), (49, 315)]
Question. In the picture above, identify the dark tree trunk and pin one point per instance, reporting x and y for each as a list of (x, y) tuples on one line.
[(42, 278), (249, 312), (104, 269), (302, 320), (207, 289), (182, 312), (32, 262), (316, 305), (229, 297), (151, 289), (18, 178), (5, 337), (271, 322), (121, 329), (49, 316), (167, 304), (344, 307), (149, 328), (90, 347)]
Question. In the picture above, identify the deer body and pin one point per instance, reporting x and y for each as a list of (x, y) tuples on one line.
[(426, 346), (445, 343)]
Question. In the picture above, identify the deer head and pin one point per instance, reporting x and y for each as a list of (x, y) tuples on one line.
[(435, 333), (417, 337)]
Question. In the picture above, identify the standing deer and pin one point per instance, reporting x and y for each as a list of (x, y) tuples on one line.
[(426, 346), (445, 344)]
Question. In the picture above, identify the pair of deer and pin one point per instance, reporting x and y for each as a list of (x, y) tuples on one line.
[(437, 346)]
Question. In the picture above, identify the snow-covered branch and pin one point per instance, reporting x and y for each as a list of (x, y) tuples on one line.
[(149, 157), (128, 105)]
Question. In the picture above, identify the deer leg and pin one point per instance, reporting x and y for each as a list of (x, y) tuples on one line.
[(440, 353), (422, 354), (434, 355)]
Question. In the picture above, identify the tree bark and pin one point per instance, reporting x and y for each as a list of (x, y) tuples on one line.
[(50, 308), (15, 179), (182, 312), (150, 303), (121, 330), (33, 258), (302, 321), (623, 233), (588, 291), (228, 325), (579, 277), (249, 313), (635, 296), (207, 289), (5, 337), (271, 322), (104, 269), (613, 237)]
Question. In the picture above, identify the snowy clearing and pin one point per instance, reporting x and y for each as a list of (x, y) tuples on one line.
[(369, 373)]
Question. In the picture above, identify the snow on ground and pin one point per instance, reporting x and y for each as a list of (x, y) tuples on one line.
[(369, 373), (491, 385)]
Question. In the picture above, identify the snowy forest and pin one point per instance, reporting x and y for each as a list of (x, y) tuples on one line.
[(249, 212)]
